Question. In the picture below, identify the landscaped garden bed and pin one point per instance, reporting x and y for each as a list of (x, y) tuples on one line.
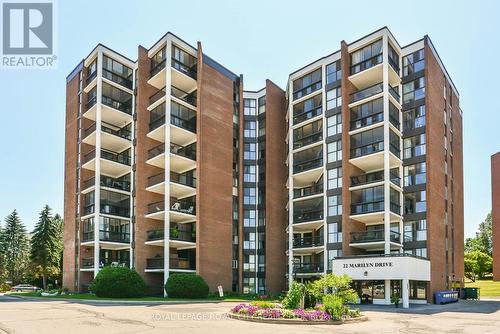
[(324, 301)]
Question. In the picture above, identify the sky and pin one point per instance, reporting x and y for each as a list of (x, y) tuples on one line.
[(261, 40)]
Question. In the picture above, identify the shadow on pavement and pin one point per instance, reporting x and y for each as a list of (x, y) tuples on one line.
[(462, 306)]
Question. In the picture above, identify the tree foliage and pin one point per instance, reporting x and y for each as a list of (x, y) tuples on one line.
[(477, 264), (14, 249), (339, 285), (46, 246), (483, 240)]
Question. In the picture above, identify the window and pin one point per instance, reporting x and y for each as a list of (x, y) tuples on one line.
[(249, 284), (415, 202), (414, 118), (415, 230), (367, 142), (262, 127), (334, 125), (335, 178), (92, 71), (116, 72), (249, 152), (334, 233), (249, 196), (413, 63), (333, 72), (249, 107), (422, 252), (308, 159), (249, 173), (250, 129), (418, 289), (308, 134), (249, 218), (333, 253), (414, 146), (393, 58), (367, 200), (334, 151), (414, 174), (366, 57), (262, 105), (367, 114), (249, 260), (116, 98), (334, 205), (333, 98), (414, 90), (307, 84), (307, 109)]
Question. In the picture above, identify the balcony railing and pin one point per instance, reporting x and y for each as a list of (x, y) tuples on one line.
[(307, 140), (308, 191), (186, 206), (156, 207), (184, 96), (188, 70), (306, 268), (175, 234), (307, 90), (184, 179), (175, 263), (367, 178), (307, 165), (124, 133), (157, 68), (88, 263), (307, 216), (366, 64), (115, 210), (156, 179), (108, 182), (306, 242), (122, 158), (156, 96), (88, 209), (415, 151), (89, 156), (367, 149), (367, 120), (124, 106), (305, 115), (184, 151), (187, 124), (91, 102), (394, 64), (373, 236), (156, 151), (91, 77), (88, 236), (112, 236), (367, 92), (367, 207), (394, 94), (125, 82)]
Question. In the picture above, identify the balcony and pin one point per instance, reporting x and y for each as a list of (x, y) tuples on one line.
[(179, 237), (312, 190), (307, 165), (112, 138), (308, 242), (369, 212), (112, 163), (182, 158), (367, 207), (112, 209), (156, 156), (307, 114), (181, 210), (367, 149), (116, 78), (305, 216), (189, 98), (394, 93), (180, 264), (183, 128), (370, 236), (365, 121), (107, 182), (88, 263), (183, 185), (366, 93), (308, 268), (156, 96), (113, 111), (307, 140), (374, 177)]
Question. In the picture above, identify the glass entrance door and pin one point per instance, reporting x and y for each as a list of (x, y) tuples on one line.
[(366, 292)]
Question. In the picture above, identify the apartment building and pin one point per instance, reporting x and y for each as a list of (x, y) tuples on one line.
[(375, 165), (495, 213), (356, 168)]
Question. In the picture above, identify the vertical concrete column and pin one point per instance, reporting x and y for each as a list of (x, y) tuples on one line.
[(97, 177), (290, 188), (257, 201), (132, 176), (388, 292), (406, 293), (387, 176), (166, 225)]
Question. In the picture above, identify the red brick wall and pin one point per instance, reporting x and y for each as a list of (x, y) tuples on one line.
[(495, 212)]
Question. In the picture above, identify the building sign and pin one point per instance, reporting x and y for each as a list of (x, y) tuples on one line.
[(381, 268)]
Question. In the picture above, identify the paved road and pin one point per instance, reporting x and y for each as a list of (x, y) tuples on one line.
[(21, 316)]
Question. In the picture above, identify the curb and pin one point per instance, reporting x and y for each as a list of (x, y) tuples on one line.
[(362, 318), (120, 302)]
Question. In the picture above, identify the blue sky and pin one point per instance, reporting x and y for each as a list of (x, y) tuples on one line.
[(261, 39)]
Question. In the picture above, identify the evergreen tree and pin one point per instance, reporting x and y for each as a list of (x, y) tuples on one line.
[(14, 247), (46, 246)]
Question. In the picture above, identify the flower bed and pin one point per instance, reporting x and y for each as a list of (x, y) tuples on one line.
[(275, 312)]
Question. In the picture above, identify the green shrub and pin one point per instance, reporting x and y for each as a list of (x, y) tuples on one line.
[(186, 286), (118, 282), (4, 287), (262, 304), (294, 297), (333, 305)]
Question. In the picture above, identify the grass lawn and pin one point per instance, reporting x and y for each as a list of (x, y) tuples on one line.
[(488, 287), (90, 296)]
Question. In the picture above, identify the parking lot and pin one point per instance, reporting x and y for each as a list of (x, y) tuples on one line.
[(40, 316)]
